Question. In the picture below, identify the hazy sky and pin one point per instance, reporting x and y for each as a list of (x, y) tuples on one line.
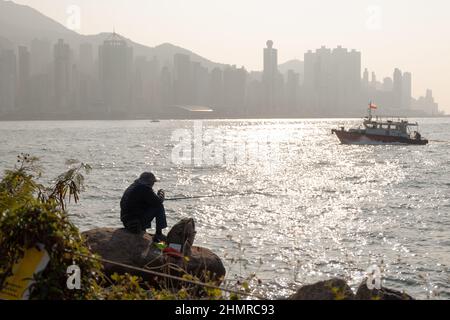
[(412, 35)]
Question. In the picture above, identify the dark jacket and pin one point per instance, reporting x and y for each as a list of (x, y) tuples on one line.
[(137, 200)]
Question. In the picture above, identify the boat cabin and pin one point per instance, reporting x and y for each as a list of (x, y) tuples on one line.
[(400, 128)]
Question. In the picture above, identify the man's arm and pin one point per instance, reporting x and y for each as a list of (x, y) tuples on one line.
[(153, 199)]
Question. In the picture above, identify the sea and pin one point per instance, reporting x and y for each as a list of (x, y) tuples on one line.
[(287, 204)]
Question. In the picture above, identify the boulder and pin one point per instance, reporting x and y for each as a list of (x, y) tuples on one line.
[(334, 289), (120, 246), (364, 293)]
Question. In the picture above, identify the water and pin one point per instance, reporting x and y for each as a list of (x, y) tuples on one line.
[(320, 210)]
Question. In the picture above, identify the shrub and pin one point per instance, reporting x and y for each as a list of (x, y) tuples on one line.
[(29, 214)]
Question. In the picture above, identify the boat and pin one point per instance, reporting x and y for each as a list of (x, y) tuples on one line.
[(375, 130)]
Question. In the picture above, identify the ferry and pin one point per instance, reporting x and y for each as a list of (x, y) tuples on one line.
[(378, 131)]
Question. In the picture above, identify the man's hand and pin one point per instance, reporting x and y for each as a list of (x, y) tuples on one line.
[(161, 193)]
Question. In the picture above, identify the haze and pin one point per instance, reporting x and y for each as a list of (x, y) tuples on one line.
[(411, 35)]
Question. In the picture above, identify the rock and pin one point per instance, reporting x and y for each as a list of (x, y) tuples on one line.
[(120, 246), (364, 293), (334, 289)]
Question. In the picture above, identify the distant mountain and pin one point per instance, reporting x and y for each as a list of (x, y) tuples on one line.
[(296, 65), (20, 24)]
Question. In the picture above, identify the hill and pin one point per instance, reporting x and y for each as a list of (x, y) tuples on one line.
[(20, 24)]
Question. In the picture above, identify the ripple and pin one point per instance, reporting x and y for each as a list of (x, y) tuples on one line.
[(317, 210)]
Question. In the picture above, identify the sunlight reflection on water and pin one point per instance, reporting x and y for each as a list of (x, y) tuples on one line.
[(319, 209)]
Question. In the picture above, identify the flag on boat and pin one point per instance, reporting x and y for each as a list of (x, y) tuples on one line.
[(373, 106)]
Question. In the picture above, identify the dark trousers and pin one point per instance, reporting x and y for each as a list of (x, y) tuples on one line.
[(143, 220)]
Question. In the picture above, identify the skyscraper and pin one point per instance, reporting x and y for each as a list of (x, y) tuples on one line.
[(216, 89), (183, 80), (115, 64), (40, 56), (62, 67), (86, 77), (333, 81), (406, 90), (292, 93), (427, 104), (23, 83), (166, 90), (397, 89), (365, 79), (270, 75), (234, 84), (200, 81), (154, 72), (388, 84), (42, 89), (374, 81), (86, 61), (8, 79)]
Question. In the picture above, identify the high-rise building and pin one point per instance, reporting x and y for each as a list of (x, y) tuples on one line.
[(40, 56), (427, 104), (374, 82), (115, 69), (140, 82), (234, 84), (365, 79), (24, 73), (146, 86), (333, 81), (397, 89), (216, 89), (254, 95), (200, 81), (406, 90), (86, 78), (166, 90), (154, 87), (433, 107), (183, 80), (86, 60), (270, 74), (388, 84), (8, 80), (292, 93), (62, 68), (75, 90)]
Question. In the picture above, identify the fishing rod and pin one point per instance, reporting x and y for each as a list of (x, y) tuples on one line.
[(214, 196)]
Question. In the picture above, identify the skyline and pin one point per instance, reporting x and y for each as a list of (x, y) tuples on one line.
[(379, 29), (41, 82)]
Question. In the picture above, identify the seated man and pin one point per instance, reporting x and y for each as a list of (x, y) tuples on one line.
[(140, 205)]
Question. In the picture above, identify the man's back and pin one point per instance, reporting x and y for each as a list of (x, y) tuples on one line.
[(136, 200)]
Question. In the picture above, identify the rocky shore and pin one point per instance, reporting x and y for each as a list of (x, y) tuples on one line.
[(338, 289), (139, 251)]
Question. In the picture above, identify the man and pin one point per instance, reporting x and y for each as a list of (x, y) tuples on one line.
[(140, 205)]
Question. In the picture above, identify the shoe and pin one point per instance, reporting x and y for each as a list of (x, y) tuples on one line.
[(159, 238)]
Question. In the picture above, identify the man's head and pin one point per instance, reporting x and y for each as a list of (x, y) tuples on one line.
[(148, 178)]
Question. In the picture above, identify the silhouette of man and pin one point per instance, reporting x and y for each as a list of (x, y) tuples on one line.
[(140, 205)]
